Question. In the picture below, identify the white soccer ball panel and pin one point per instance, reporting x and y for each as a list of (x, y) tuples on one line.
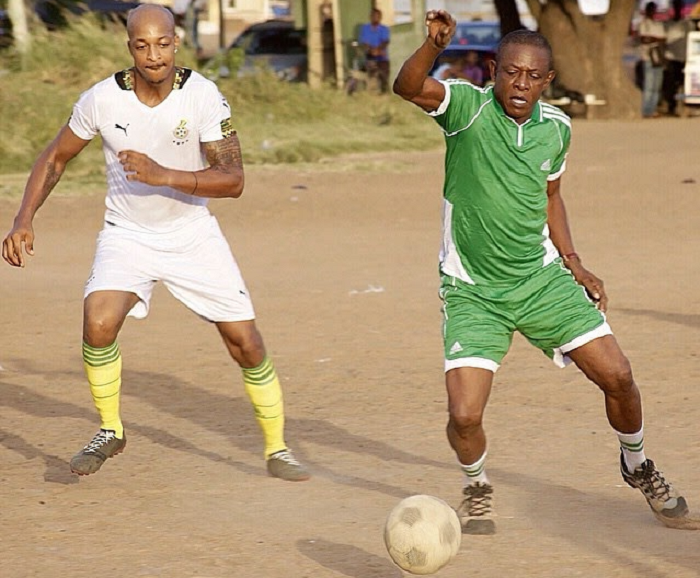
[(422, 534)]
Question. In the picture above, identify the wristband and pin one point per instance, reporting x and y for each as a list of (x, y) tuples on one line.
[(569, 256)]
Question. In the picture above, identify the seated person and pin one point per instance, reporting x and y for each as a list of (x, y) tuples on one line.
[(465, 67), (374, 40), (469, 68)]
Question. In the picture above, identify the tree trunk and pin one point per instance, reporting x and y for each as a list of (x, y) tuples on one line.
[(20, 32), (508, 15), (588, 53)]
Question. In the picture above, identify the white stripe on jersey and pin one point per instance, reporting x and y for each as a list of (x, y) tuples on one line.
[(471, 121), (462, 81), (562, 119), (554, 113), (450, 261), (448, 94)]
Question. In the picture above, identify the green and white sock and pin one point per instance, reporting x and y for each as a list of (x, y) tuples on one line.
[(632, 449), (475, 472)]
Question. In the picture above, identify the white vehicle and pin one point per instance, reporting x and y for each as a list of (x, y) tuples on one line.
[(691, 89)]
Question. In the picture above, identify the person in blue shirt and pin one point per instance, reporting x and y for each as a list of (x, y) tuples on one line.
[(374, 40)]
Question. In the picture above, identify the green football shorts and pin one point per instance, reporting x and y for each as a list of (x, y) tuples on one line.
[(549, 309)]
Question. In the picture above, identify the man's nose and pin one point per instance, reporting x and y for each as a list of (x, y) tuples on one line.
[(522, 82)]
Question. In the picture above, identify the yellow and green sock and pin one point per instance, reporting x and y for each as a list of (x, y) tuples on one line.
[(264, 391), (103, 367)]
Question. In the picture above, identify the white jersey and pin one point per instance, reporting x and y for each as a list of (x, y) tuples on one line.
[(169, 133)]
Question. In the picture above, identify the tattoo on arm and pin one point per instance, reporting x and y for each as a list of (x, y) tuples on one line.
[(51, 180), (224, 155)]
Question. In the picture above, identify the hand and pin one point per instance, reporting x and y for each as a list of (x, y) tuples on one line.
[(594, 286), (441, 27), (140, 167), (12, 245)]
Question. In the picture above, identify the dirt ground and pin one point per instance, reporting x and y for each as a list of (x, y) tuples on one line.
[(341, 260)]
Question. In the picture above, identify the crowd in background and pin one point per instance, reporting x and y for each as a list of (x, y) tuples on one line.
[(663, 55)]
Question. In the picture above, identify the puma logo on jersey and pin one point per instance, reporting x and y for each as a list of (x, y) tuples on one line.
[(120, 127), (456, 348), (546, 165)]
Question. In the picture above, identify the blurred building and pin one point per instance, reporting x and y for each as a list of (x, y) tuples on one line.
[(223, 20), (479, 10)]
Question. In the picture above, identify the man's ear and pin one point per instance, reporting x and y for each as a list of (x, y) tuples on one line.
[(492, 68), (549, 78)]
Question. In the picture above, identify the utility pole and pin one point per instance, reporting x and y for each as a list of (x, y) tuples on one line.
[(314, 42), (222, 26), (339, 49), (20, 31)]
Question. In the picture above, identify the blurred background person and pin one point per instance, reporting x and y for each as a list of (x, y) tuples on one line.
[(470, 69), (652, 37), (198, 7), (179, 9), (465, 67), (374, 40), (677, 29)]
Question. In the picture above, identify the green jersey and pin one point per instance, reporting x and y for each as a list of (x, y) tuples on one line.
[(495, 193)]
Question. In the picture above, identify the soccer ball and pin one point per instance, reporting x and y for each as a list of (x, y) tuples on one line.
[(422, 534)]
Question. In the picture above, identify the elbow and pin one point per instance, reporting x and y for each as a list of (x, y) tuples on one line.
[(400, 90), (408, 89), (236, 189)]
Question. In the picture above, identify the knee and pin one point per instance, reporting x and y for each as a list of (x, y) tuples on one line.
[(618, 379), (251, 347), (464, 422), (245, 346), (100, 330)]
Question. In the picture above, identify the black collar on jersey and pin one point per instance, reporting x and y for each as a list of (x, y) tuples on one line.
[(123, 78)]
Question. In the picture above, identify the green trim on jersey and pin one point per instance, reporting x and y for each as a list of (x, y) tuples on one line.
[(495, 192)]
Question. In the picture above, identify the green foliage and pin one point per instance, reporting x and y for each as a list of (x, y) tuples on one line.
[(224, 63), (277, 122)]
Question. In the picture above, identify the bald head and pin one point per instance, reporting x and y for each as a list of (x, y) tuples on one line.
[(152, 44), (150, 15)]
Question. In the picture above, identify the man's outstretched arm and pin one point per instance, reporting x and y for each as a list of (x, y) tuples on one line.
[(413, 83), (45, 174)]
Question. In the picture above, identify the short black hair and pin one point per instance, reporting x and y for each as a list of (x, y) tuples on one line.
[(525, 37)]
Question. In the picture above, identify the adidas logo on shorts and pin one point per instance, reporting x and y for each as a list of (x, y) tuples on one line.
[(456, 348)]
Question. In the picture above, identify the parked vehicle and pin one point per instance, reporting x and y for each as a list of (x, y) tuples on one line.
[(276, 45), (480, 36), (5, 29)]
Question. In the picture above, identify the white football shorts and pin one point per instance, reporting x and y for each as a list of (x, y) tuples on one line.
[(195, 264)]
